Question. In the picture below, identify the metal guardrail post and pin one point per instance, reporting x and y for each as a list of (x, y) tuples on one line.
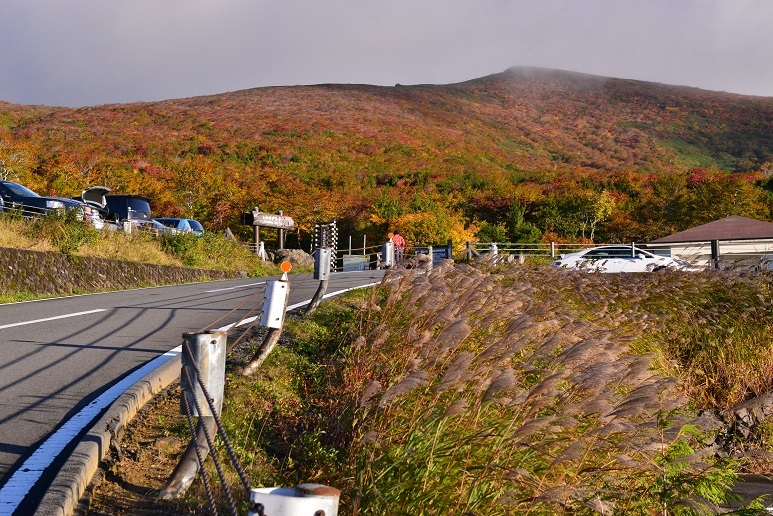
[(208, 351), (388, 254), (322, 263), (322, 273)]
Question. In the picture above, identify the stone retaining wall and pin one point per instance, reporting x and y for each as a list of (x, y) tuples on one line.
[(56, 273)]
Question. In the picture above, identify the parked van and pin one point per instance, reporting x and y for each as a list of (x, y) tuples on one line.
[(117, 208), (123, 207)]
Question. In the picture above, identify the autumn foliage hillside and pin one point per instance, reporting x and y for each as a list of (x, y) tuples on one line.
[(526, 154)]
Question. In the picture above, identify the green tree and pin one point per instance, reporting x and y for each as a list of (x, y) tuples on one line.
[(488, 232), (663, 208), (599, 208), (518, 228)]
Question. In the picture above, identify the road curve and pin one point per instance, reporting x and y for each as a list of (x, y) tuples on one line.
[(59, 355)]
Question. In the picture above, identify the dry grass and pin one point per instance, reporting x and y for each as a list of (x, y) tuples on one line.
[(117, 245), (509, 390), (13, 234), (134, 247)]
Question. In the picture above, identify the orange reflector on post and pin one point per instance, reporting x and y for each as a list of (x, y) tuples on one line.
[(285, 267)]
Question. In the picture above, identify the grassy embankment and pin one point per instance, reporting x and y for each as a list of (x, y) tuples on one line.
[(511, 390), (65, 234)]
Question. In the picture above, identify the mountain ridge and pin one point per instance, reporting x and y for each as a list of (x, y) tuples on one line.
[(337, 150)]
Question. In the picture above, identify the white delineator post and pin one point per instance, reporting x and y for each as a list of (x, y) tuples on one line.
[(388, 254), (275, 301), (301, 500)]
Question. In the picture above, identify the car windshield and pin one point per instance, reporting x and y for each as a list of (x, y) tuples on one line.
[(139, 206), (195, 226), (21, 191)]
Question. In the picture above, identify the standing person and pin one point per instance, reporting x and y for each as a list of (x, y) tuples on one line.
[(399, 242)]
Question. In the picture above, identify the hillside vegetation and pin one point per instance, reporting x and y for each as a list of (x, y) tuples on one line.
[(526, 154)]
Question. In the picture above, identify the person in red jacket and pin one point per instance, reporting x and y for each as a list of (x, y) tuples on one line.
[(399, 242)]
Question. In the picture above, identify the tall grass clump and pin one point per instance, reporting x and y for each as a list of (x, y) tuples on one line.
[(717, 330), (545, 413), (502, 391)]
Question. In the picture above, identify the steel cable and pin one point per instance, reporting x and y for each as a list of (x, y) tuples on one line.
[(233, 310), (220, 427), (195, 441), (207, 436)]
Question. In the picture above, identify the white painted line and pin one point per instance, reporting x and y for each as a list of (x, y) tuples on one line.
[(52, 318), (21, 482), (331, 294), (234, 288), (227, 327), (293, 307)]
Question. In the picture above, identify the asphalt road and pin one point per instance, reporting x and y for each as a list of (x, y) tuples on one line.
[(57, 355)]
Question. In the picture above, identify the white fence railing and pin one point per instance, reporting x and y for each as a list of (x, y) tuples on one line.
[(551, 249)]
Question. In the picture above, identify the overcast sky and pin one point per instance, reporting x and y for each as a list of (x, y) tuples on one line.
[(88, 52)]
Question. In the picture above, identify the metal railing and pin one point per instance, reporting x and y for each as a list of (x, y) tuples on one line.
[(551, 249)]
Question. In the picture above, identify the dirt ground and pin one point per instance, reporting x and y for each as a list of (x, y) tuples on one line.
[(131, 480)]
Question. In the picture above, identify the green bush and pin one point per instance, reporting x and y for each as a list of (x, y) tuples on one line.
[(181, 245), (65, 229), (213, 251)]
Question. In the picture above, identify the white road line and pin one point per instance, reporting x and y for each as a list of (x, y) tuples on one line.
[(16, 488), (293, 307), (233, 288), (227, 327), (52, 318)]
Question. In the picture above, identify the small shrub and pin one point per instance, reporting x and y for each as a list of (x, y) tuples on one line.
[(182, 246), (65, 229), (213, 251)]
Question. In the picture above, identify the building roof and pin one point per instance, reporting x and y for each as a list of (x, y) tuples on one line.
[(729, 228)]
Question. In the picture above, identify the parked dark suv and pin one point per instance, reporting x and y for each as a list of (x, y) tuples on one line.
[(118, 208), (122, 207), (14, 195)]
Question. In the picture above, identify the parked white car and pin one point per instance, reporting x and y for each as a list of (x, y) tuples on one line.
[(618, 258)]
